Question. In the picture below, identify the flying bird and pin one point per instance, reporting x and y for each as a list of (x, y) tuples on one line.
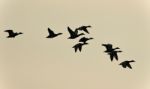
[(84, 39), (125, 64), (109, 47), (84, 28), (113, 54), (73, 34), (78, 46), (52, 34), (12, 34)]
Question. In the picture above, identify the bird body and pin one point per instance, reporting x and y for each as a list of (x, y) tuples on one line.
[(113, 54), (84, 28), (84, 39), (109, 47), (52, 34), (73, 34), (78, 46), (125, 64), (12, 34)]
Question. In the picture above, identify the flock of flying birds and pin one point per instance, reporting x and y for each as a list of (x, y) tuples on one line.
[(112, 52)]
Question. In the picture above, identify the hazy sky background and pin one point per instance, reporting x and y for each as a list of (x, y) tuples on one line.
[(30, 61)]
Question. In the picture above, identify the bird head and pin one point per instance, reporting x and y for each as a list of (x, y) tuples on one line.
[(117, 48), (89, 26), (60, 33), (118, 51), (132, 61), (91, 38), (20, 33)]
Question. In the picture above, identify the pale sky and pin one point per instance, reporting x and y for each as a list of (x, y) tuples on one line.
[(30, 61)]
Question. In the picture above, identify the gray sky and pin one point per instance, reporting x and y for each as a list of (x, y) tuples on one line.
[(30, 61)]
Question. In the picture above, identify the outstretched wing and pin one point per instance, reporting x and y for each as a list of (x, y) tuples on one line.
[(109, 47), (76, 31), (80, 48), (116, 56), (111, 56), (70, 31), (50, 32), (10, 32), (124, 66), (75, 47), (129, 66), (85, 30), (82, 39)]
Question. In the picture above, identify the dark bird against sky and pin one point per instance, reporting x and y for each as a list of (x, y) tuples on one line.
[(52, 34), (78, 46), (125, 64), (85, 39), (73, 34), (84, 28), (109, 47), (12, 34), (113, 54)]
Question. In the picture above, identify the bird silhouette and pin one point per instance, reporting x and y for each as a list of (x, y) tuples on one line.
[(113, 54), (52, 34), (84, 28), (84, 39), (109, 47), (78, 46), (12, 34), (125, 64), (73, 34)]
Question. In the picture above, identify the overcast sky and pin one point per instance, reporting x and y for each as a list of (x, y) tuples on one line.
[(31, 61)]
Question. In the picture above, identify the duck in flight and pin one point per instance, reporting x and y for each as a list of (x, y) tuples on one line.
[(12, 34), (109, 47), (84, 28), (113, 54), (78, 46), (73, 34), (52, 34), (125, 64), (84, 39)]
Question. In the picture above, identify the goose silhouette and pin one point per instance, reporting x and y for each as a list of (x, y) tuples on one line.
[(12, 34), (52, 34), (109, 47), (73, 34), (78, 46), (84, 39), (84, 28), (113, 54), (125, 64)]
